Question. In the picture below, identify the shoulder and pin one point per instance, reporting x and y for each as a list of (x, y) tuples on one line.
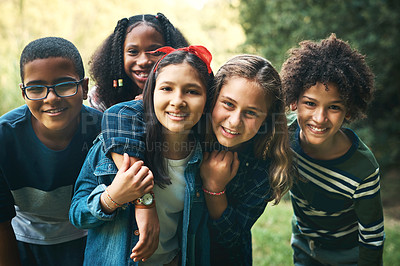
[(91, 111), (15, 117), (362, 161), (125, 116), (125, 108)]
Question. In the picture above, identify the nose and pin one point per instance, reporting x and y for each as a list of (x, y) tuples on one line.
[(143, 59), (52, 96), (177, 99), (235, 119), (319, 115)]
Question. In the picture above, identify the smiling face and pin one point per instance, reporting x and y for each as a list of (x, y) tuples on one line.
[(239, 112), (179, 98), (137, 61), (54, 114), (320, 113)]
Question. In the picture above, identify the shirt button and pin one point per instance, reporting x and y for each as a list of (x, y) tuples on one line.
[(136, 232), (247, 164), (198, 194)]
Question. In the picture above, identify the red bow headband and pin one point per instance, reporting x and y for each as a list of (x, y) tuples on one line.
[(198, 50)]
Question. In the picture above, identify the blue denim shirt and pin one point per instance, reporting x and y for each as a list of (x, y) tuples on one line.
[(111, 236)]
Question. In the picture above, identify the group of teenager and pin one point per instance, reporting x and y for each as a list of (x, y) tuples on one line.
[(173, 165)]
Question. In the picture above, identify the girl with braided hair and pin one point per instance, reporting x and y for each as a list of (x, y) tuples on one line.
[(121, 65)]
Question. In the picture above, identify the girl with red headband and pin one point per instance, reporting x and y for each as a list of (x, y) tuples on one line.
[(250, 158), (175, 99)]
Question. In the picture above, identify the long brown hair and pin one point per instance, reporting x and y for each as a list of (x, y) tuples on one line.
[(271, 140)]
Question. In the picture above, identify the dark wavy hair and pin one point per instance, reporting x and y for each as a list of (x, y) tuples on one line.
[(330, 60), (271, 141), (107, 63), (154, 157)]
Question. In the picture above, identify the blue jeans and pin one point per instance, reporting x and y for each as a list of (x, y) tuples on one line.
[(68, 253), (307, 253)]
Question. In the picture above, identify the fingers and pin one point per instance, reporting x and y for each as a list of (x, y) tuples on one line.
[(143, 249), (125, 163)]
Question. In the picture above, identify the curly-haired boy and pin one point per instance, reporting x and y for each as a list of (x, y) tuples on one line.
[(338, 217)]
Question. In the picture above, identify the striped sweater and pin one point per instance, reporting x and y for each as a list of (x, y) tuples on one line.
[(337, 202)]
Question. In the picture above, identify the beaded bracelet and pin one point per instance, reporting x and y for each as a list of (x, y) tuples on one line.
[(109, 197), (105, 203), (214, 193)]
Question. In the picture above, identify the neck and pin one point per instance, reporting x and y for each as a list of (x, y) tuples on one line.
[(329, 150), (54, 139), (178, 145)]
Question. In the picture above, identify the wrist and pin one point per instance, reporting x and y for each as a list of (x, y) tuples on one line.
[(105, 204), (214, 192), (213, 187), (111, 199), (147, 201)]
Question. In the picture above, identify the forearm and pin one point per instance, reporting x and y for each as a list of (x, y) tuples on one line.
[(216, 204), (86, 210), (370, 256), (9, 254), (119, 158)]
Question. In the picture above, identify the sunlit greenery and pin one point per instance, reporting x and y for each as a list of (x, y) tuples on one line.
[(272, 231), (371, 26)]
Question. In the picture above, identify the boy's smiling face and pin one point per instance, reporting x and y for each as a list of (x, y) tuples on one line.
[(54, 114), (320, 113)]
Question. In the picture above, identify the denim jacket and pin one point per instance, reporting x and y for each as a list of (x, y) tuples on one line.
[(111, 236)]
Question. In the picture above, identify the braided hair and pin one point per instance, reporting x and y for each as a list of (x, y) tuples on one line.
[(107, 63)]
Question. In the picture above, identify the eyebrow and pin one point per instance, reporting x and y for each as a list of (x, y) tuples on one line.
[(248, 107), (150, 48), (186, 85), (56, 81), (310, 98)]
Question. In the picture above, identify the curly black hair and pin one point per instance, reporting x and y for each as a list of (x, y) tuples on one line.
[(330, 60), (107, 63)]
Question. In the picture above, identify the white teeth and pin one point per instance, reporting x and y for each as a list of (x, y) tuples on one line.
[(54, 111), (177, 115), (143, 75), (231, 132), (318, 129)]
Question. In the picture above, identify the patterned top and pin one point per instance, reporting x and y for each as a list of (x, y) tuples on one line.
[(123, 129), (36, 182), (338, 203), (247, 193)]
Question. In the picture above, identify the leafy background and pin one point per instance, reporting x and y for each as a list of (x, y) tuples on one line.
[(228, 27)]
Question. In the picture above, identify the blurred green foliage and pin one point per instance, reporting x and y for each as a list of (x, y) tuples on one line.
[(372, 26), (211, 23)]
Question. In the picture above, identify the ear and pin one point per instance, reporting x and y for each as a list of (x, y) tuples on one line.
[(293, 106), (85, 88), (21, 85), (348, 117)]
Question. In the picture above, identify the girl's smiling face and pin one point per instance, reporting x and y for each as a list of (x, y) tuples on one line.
[(179, 97), (139, 41), (239, 112)]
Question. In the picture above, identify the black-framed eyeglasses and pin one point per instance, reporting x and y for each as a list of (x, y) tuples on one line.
[(40, 92)]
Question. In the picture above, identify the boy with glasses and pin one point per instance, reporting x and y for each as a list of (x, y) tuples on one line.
[(43, 146)]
